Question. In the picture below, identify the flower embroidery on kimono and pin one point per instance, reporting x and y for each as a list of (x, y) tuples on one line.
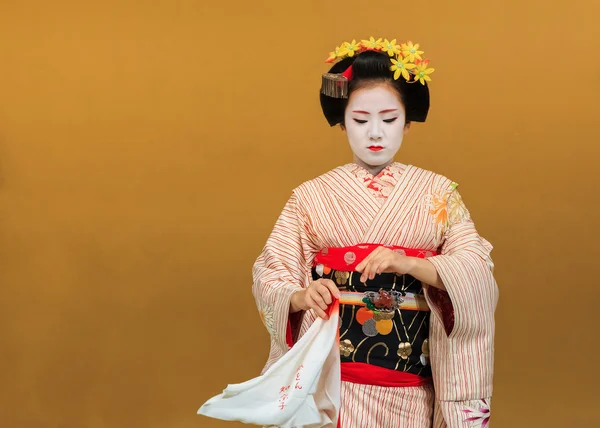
[(267, 317), (381, 185), (479, 415), (457, 210), (447, 208)]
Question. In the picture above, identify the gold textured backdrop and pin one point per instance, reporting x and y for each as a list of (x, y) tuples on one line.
[(146, 149)]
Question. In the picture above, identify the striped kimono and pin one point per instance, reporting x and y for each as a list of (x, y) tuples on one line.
[(402, 206)]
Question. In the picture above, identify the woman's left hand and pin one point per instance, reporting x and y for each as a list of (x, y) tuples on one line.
[(384, 260)]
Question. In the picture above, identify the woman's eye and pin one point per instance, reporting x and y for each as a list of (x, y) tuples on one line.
[(360, 121), (390, 120)]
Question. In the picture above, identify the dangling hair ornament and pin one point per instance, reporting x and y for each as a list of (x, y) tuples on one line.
[(406, 62), (336, 85)]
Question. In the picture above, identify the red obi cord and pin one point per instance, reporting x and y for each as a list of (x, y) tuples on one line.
[(347, 258), (368, 374)]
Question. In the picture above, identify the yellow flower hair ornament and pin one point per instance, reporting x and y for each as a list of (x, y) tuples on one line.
[(407, 60)]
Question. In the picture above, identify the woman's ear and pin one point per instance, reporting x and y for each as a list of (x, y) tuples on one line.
[(406, 128)]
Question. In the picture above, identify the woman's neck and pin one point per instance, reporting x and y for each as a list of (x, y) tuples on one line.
[(373, 170)]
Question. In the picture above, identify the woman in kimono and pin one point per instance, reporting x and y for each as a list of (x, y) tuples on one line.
[(396, 244)]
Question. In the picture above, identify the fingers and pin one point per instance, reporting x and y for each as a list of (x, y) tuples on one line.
[(325, 294), (319, 296), (318, 299), (379, 266), (360, 267), (326, 288), (378, 262), (316, 306), (369, 271), (366, 273), (331, 287)]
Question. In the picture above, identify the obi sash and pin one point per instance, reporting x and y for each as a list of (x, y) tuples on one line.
[(384, 322)]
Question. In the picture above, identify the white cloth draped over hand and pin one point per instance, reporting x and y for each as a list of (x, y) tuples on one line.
[(302, 389)]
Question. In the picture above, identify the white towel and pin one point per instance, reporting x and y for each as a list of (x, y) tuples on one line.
[(302, 389)]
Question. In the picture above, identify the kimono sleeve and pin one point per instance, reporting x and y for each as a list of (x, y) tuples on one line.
[(282, 269), (466, 269)]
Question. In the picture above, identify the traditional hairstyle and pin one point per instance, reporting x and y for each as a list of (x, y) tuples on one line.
[(371, 62)]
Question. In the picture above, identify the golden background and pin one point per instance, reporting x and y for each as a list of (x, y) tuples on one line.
[(147, 148)]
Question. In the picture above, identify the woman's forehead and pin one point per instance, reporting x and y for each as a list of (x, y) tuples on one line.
[(380, 97)]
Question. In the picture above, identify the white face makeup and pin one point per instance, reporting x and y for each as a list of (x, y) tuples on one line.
[(375, 121)]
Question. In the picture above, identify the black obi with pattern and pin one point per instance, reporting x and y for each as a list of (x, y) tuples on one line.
[(378, 334)]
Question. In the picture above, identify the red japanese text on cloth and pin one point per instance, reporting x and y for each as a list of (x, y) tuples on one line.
[(283, 396), (298, 386), (283, 391)]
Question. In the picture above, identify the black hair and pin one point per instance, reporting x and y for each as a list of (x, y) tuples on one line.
[(372, 67)]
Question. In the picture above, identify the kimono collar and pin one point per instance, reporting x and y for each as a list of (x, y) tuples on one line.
[(383, 183)]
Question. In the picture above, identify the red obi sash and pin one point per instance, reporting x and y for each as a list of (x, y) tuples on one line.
[(347, 258)]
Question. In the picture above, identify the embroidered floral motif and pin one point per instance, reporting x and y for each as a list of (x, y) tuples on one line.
[(382, 184), (404, 350), (267, 317), (341, 277), (439, 208), (346, 348), (479, 415), (447, 208), (457, 210)]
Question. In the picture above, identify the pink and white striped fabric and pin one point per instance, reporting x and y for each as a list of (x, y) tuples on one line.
[(386, 407), (419, 209)]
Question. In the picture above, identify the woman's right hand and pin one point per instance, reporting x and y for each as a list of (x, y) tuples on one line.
[(317, 296)]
